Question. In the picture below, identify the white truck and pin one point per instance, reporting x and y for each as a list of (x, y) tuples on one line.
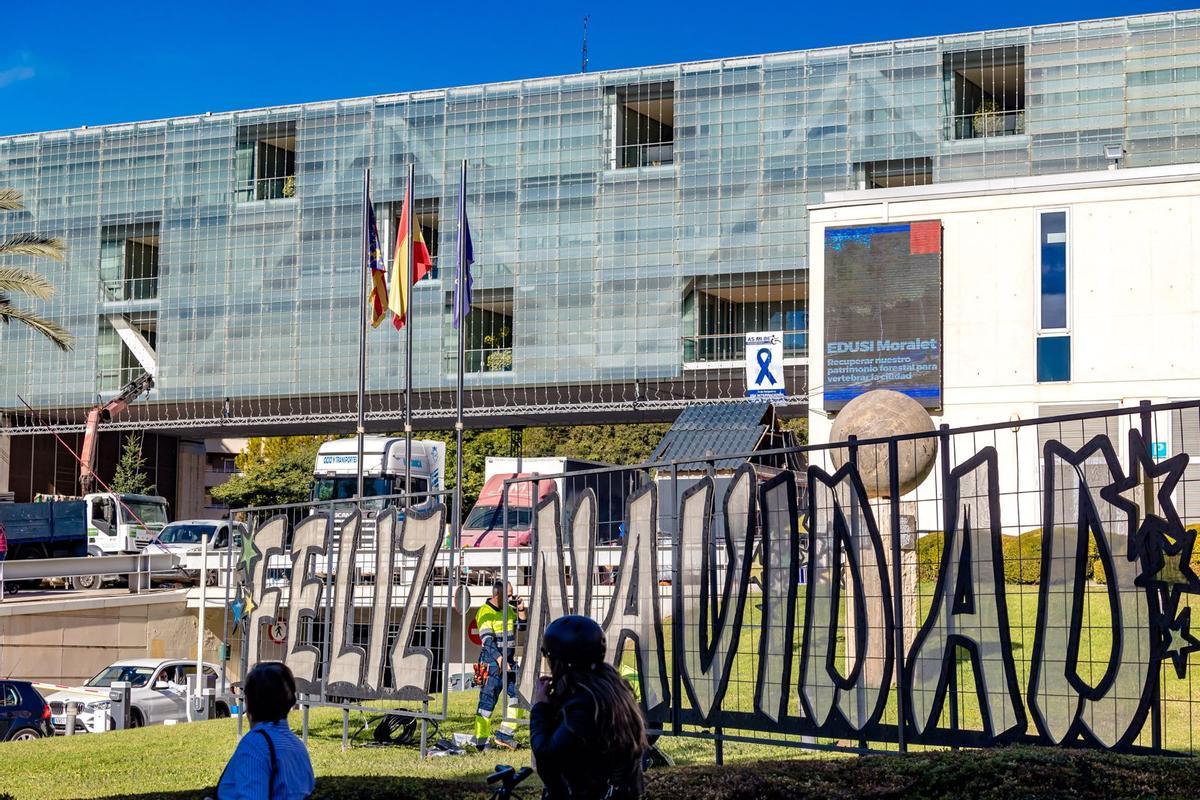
[(115, 524), (335, 474)]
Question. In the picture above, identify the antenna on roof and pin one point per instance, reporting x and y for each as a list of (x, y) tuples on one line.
[(585, 32)]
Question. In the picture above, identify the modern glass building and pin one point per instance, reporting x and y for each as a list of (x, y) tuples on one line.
[(629, 226)]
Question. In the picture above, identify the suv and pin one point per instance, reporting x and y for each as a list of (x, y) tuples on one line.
[(158, 694), (24, 713), (183, 539)]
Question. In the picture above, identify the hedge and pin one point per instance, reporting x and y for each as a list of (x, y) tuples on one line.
[(1022, 557), (1001, 774)]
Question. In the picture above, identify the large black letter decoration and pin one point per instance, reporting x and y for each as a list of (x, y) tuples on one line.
[(385, 570), (844, 542), (310, 547), (780, 555), (265, 601), (421, 540), (548, 598), (635, 612), (345, 658), (1109, 711), (968, 610), (709, 645)]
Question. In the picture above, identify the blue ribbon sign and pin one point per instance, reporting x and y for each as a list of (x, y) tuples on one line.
[(764, 365)]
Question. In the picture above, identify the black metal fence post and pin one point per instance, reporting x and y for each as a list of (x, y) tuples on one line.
[(1146, 420), (947, 512), (897, 587)]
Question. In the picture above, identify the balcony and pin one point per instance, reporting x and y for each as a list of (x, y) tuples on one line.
[(723, 348), (986, 124), (266, 189), (485, 359), (656, 154), (116, 291)]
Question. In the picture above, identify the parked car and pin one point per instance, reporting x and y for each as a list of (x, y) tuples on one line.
[(24, 713), (183, 538), (159, 693)]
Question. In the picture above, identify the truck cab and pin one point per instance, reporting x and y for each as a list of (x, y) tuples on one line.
[(335, 474), (123, 523)]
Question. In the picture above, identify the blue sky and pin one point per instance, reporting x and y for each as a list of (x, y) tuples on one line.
[(93, 63)]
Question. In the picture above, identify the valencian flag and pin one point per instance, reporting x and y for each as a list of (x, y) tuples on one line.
[(422, 263), (377, 303), (466, 257)]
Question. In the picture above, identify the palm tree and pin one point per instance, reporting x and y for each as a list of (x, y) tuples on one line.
[(20, 281)]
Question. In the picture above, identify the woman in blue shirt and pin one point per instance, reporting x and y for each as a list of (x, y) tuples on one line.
[(270, 763)]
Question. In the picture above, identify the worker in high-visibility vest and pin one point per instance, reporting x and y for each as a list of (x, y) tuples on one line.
[(497, 655)]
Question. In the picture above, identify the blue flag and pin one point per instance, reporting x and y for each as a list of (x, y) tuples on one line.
[(466, 257)]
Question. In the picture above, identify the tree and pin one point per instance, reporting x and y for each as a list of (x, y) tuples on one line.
[(274, 470), (19, 281), (131, 477)]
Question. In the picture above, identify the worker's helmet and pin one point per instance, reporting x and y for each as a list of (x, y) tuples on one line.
[(574, 640)]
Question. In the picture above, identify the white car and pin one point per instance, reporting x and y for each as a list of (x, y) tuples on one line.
[(183, 538), (158, 693)]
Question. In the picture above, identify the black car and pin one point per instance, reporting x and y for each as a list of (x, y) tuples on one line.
[(24, 713)]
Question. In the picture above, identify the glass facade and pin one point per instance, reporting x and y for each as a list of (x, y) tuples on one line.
[(623, 222)]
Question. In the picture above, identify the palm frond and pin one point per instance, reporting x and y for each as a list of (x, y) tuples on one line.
[(29, 283), (31, 244), (10, 200), (51, 330)]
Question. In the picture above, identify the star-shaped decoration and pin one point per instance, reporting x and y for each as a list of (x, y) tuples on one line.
[(249, 553), (1178, 641), (1147, 493), (1170, 556)]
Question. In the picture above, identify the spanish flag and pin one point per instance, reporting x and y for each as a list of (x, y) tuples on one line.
[(377, 304), (398, 300)]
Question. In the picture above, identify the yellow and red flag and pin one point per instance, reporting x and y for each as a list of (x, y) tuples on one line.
[(377, 303), (398, 299)]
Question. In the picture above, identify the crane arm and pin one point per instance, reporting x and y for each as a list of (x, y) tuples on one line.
[(105, 413)]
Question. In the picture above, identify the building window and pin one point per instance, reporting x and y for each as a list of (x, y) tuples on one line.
[(717, 316), (1054, 330), (129, 262), (894, 173), (985, 92), (428, 219), (489, 334), (265, 161), (644, 125), (115, 360)]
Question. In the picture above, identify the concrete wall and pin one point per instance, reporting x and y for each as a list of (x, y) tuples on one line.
[(1133, 299), (68, 641)]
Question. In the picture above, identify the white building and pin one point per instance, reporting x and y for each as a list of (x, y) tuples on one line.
[(1015, 342)]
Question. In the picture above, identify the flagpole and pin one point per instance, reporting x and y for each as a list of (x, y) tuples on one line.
[(408, 333), (459, 296), (362, 330)]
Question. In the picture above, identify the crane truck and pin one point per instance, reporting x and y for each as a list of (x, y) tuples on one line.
[(96, 523)]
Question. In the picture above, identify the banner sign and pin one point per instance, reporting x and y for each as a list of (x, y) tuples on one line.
[(848, 654), (883, 311), (764, 365)]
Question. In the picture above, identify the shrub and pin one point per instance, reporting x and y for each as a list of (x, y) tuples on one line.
[(929, 556), (1023, 557)]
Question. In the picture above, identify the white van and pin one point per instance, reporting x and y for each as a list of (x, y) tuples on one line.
[(335, 474)]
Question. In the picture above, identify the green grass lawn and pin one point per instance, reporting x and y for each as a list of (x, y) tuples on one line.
[(190, 757), (183, 757)]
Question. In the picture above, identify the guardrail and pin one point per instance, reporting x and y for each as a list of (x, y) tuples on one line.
[(138, 567)]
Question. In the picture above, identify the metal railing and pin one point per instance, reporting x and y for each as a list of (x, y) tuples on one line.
[(112, 291), (110, 380), (654, 154), (994, 123), (732, 346), (266, 189), (484, 359)]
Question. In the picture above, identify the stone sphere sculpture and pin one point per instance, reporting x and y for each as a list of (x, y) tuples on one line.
[(876, 414)]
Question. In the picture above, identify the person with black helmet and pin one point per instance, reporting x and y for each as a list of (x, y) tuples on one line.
[(586, 728)]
